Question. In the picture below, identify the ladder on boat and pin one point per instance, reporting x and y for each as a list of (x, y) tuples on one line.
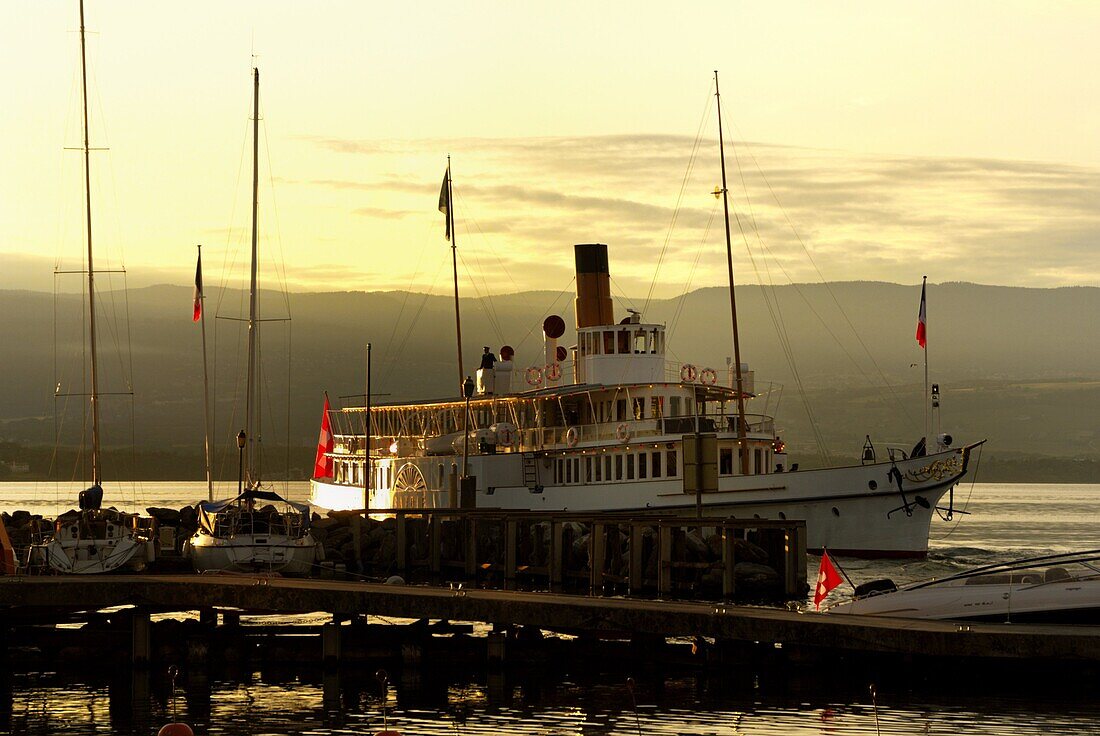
[(531, 472)]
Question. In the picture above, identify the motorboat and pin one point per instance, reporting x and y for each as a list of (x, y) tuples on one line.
[(1055, 589)]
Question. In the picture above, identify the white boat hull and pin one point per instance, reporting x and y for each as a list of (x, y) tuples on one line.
[(855, 510), (93, 556), (255, 553)]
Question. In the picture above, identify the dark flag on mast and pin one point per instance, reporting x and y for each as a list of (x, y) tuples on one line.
[(445, 201), (198, 290)]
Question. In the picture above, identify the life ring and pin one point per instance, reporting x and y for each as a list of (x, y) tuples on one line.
[(708, 377), (505, 437), (553, 371), (571, 437), (534, 376), (622, 432), (687, 373)]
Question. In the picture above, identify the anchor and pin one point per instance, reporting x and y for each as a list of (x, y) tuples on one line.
[(906, 504)]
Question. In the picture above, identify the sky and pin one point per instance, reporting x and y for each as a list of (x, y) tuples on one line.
[(864, 140)]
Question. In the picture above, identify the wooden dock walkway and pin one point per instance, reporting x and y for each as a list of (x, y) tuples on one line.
[(28, 599)]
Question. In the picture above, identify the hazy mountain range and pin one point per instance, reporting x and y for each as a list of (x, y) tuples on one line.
[(1019, 366)]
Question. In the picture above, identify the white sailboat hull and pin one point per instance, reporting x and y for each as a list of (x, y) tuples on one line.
[(92, 556), (255, 553)]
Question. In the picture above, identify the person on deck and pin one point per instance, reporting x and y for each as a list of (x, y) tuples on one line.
[(487, 359)]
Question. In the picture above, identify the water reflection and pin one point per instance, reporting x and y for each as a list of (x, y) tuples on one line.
[(279, 702)]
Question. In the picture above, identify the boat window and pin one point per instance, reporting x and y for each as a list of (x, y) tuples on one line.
[(608, 342), (725, 461), (630, 466), (607, 467), (582, 344), (674, 406), (620, 410), (653, 339), (568, 471), (658, 404), (639, 408), (588, 470), (656, 464), (740, 458), (576, 470), (642, 457), (624, 342), (671, 470), (758, 457), (599, 470), (639, 341), (618, 467), (440, 476)]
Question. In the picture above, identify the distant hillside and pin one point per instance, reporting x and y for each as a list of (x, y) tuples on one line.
[(1021, 366)]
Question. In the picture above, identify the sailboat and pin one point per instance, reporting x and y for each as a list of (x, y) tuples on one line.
[(238, 534), (94, 539), (611, 424)]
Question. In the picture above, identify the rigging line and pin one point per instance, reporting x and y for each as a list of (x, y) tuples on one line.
[(485, 303), (227, 265), (496, 254), (404, 301), (692, 158), (691, 274), (546, 313), (490, 313), (392, 364), (622, 298), (828, 289), (275, 214), (775, 296), (775, 311), (784, 341)]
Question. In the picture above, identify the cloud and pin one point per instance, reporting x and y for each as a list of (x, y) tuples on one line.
[(857, 216)]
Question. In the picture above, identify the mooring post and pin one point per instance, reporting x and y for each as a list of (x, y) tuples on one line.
[(496, 646), (357, 540), (597, 550), (557, 532), (403, 544), (637, 573), (140, 629), (330, 644), (729, 562), (664, 564), (511, 540), (435, 531), (471, 548)]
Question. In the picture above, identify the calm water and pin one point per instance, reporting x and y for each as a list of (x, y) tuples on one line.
[(1006, 521)]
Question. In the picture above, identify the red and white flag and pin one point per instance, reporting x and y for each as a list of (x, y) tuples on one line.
[(922, 318), (198, 289), (322, 464), (827, 579)]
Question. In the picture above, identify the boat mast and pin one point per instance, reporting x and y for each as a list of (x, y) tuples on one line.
[(454, 263), (250, 385), (96, 467), (205, 386), (743, 449)]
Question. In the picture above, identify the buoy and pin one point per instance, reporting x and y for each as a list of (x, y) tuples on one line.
[(175, 729)]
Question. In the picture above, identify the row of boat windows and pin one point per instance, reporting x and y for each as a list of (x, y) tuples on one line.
[(352, 473), (646, 465), (622, 466), (621, 342)]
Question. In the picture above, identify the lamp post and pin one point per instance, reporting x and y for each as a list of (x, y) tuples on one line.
[(241, 439)]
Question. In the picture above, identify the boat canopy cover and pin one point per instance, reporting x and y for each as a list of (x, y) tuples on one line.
[(208, 510)]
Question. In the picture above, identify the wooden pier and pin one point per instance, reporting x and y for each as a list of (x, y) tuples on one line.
[(27, 601)]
